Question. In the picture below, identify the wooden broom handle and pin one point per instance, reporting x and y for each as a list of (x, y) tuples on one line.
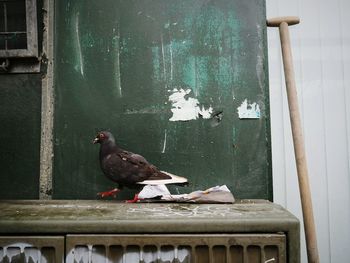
[(298, 140)]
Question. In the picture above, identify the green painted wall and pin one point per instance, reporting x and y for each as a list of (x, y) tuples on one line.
[(119, 64)]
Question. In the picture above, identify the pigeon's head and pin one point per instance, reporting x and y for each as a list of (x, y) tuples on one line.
[(102, 137)]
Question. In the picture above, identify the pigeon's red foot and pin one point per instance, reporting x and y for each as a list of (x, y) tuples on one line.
[(136, 198), (109, 193)]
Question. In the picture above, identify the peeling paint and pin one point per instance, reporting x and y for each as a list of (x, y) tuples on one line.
[(97, 253), (164, 142), (117, 74), (12, 252), (185, 108), (216, 118), (248, 111), (80, 65), (171, 62), (163, 57), (260, 58)]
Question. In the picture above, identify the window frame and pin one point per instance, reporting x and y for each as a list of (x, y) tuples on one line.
[(32, 35)]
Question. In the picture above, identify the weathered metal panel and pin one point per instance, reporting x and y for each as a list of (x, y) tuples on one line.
[(228, 248), (167, 78), (109, 217), (20, 112), (20, 116)]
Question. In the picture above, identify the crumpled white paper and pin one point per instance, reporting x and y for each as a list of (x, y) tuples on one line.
[(216, 194), (153, 191)]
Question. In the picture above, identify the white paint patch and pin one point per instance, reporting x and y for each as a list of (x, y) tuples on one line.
[(248, 111), (185, 108)]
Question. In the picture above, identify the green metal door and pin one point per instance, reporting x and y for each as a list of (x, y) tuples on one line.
[(184, 83)]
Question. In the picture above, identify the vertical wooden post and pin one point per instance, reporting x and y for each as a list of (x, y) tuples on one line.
[(47, 105)]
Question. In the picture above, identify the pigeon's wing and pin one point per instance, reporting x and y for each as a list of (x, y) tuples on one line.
[(148, 173), (141, 163), (144, 167), (133, 158), (110, 165), (125, 168)]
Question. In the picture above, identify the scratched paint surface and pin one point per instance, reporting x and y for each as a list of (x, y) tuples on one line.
[(166, 77)]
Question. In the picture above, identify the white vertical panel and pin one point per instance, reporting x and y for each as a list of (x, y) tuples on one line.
[(314, 125), (276, 107), (344, 6), (321, 49), (335, 129)]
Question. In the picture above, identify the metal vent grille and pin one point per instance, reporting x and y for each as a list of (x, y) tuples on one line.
[(31, 249), (235, 248)]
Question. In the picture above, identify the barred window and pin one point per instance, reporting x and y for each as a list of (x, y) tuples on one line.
[(18, 29)]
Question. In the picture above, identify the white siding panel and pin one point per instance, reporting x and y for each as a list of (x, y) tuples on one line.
[(344, 6), (335, 129), (276, 107), (321, 49), (314, 125)]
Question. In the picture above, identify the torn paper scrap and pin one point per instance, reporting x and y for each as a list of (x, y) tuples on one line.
[(217, 194), (185, 108), (248, 111), (153, 191)]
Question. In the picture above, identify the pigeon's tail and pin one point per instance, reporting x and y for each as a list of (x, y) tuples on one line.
[(165, 178)]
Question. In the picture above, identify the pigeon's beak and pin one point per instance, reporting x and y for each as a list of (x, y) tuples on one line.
[(96, 140)]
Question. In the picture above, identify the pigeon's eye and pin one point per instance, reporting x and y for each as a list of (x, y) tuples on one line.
[(102, 136)]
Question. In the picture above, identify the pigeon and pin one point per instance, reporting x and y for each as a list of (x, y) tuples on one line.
[(129, 169)]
